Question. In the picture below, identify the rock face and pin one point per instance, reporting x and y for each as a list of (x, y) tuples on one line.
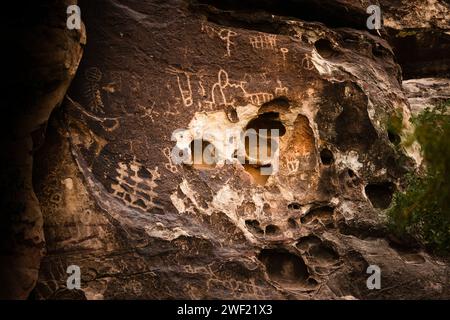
[(426, 92), (41, 58), (141, 226), (419, 31)]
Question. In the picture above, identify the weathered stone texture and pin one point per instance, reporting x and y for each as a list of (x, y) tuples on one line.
[(140, 226)]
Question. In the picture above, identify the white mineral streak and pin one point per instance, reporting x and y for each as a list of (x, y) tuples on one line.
[(349, 160), (190, 194), (258, 200), (158, 230), (177, 202), (347, 208), (227, 201), (324, 67)]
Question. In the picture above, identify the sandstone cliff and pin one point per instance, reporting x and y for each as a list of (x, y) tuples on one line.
[(110, 199)]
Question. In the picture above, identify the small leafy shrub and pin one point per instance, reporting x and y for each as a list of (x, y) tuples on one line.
[(423, 209)]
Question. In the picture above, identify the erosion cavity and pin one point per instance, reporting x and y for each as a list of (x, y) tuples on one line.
[(325, 49), (272, 230), (280, 104), (261, 144), (317, 251), (254, 226), (203, 154), (326, 157), (294, 206), (353, 126), (284, 267), (380, 194), (322, 215)]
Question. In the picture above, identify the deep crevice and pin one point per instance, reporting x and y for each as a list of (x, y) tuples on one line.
[(380, 194), (325, 49), (284, 267), (292, 223), (326, 157), (254, 14), (421, 53), (253, 226), (394, 137)]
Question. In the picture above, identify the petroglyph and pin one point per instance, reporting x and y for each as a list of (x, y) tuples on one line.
[(169, 166), (260, 98), (149, 112), (264, 41), (292, 165), (281, 90), (135, 185), (307, 64), (219, 97), (223, 92), (224, 34), (201, 89), (171, 110), (284, 52), (115, 84), (116, 79), (184, 85), (93, 76)]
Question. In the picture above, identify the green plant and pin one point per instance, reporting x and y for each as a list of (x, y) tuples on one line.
[(423, 209)]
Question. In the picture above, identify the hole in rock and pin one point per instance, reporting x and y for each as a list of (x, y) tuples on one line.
[(413, 258), (325, 49), (232, 114), (326, 156), (294, 206), (394, 137), (321, 214), (259, 177), (312, 282), (261, 146), (203, 154), (357, 262), (304, 243), (272, 230), (318, 252), (260, 152), (283, 266), (280, 104), (267, 120), (351, 173), (380, 194), (323, 254), (253, 225)]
